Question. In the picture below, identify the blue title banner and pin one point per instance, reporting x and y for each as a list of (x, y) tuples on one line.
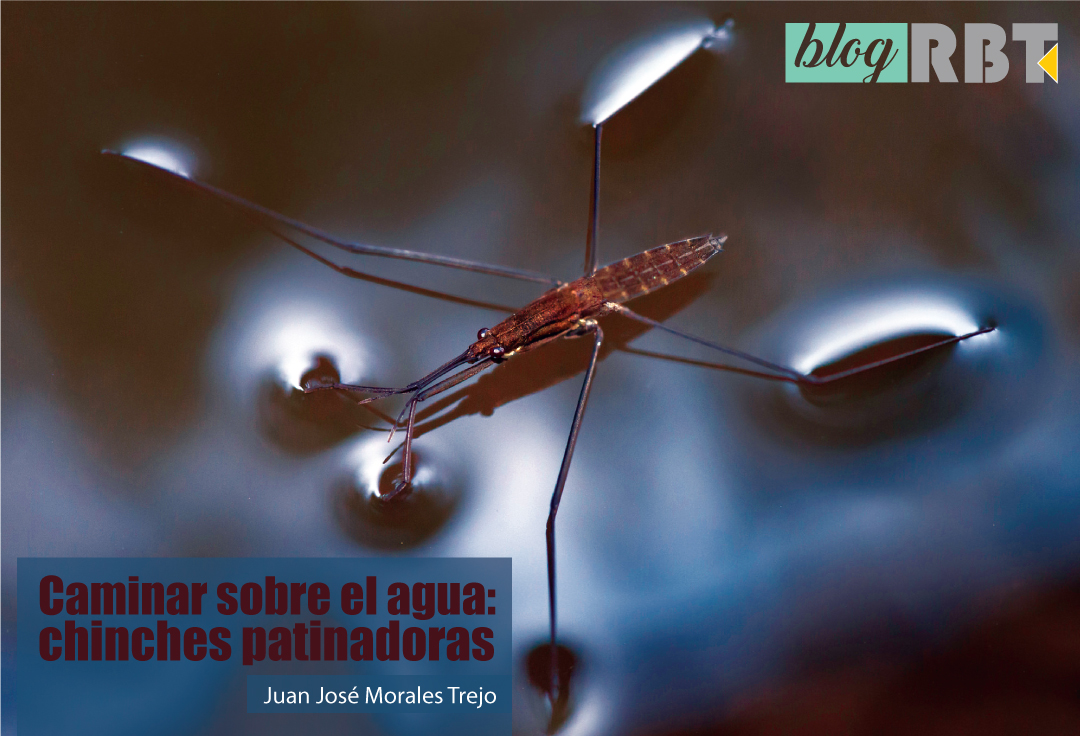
[(406, 635)]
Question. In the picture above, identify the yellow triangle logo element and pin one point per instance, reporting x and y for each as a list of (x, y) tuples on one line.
[(1049, 63)]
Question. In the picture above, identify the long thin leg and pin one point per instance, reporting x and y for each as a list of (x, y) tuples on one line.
[(370, 250), (820, 380), (406, 463), (592, 254), (354, 274), (556, 497), (705, 364), (627, 312), (422, 394), (410, 408), (788, 373)]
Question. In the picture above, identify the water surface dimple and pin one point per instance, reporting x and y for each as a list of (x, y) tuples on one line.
[(845, 326), (161, 152), (939, 389), (880, 402), (849, 382), (559, 709), (409, 520), (283, 334), (302, 422)]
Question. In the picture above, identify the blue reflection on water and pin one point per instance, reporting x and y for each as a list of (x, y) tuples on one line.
[(161, 152), (638, 64), (847, 326)]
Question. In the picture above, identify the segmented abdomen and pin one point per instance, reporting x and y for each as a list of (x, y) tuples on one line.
[(648, 271)]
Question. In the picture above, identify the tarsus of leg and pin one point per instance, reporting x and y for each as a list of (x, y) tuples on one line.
[(556, 497), (406, 462), (819, 380), (788, 373)]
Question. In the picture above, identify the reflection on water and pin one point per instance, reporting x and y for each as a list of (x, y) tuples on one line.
[(167, 154), (722, 37), (289, 337), (844, 327), (637, 65), (718, 532)]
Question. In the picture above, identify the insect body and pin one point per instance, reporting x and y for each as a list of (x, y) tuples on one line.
[(563, 309), (569, 309)]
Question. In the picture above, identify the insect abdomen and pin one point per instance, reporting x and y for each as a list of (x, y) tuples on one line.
[(648, 271)]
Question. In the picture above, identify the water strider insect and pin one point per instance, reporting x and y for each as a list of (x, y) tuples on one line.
[(567, 310)]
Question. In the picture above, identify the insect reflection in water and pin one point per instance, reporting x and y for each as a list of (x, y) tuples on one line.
[(567, 310)]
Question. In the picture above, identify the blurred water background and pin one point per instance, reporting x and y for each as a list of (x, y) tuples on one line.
[(735, 556)]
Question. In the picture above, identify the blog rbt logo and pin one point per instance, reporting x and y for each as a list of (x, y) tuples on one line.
[(880, 52)]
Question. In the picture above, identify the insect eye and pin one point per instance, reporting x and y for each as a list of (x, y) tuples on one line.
[(483, 333), (498, 351)]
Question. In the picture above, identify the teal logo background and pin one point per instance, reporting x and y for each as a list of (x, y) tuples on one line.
[(855, 54)]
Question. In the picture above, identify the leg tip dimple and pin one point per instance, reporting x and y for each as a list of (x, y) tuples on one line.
[(559, 694), (401, 489)]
